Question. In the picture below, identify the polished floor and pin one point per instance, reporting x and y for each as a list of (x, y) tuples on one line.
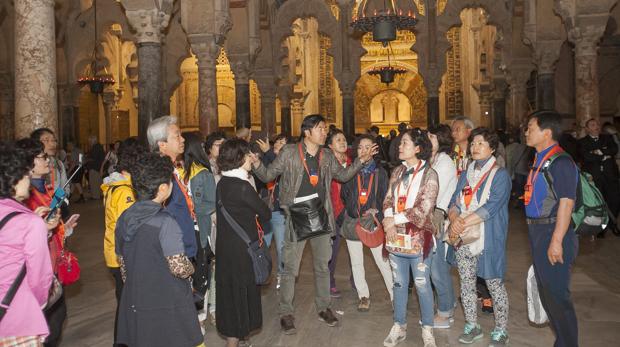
[(595, 287)]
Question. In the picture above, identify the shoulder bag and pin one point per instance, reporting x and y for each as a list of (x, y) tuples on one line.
[(369, 237), (261, 260)]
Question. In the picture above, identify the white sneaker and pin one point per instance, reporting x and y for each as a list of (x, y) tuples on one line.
[(427, 336), (397, 334)]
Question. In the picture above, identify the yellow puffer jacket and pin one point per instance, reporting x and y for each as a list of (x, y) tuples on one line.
[(117, 197)]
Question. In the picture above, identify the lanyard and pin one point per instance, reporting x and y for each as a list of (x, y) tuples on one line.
[(185, 191), (533, 176), (363, 194), (259, 230), (402, 200), (469, 193), (315, 181)]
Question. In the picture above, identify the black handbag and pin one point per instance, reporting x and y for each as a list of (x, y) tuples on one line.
[(309, 219), (261, 260)]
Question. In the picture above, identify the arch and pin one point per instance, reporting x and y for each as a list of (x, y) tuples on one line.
[(328, 25), (403, 107)]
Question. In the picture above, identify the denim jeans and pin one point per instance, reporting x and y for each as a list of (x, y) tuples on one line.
[(442, 281), (275, 229), (421, 277)]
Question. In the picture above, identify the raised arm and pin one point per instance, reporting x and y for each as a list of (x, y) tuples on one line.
[(277, 166)]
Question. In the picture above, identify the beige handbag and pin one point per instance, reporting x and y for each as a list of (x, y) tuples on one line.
[(472, 233)]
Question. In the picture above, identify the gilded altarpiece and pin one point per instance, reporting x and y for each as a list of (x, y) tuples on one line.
[(453, 87)]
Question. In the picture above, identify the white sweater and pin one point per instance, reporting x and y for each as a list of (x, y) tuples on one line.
[(446, 171)]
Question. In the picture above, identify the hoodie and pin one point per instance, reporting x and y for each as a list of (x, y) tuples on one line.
[(118, 195)]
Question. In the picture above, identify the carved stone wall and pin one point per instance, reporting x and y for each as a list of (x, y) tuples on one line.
[(453, 88)]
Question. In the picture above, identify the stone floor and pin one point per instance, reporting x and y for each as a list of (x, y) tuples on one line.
[(595, 286)]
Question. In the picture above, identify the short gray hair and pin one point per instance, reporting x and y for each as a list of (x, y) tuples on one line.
[(158, 130), (469, 124)]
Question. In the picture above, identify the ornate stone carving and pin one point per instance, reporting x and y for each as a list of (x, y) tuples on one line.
[(148, 23), (241, 68), (547, 53)]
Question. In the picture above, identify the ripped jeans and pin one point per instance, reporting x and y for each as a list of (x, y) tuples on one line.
[(421, 276)]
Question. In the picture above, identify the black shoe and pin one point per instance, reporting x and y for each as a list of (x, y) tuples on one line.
[(601, 235), (287, 323), (328, 317)]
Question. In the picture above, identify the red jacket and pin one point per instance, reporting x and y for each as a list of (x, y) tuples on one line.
[(337, 203)]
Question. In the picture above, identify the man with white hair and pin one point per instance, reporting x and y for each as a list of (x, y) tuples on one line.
[(164, 136)]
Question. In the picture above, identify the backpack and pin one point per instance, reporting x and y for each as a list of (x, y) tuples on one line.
[(590, 213)]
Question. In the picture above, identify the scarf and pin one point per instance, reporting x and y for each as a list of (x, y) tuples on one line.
[(240, 174), (369, 168)]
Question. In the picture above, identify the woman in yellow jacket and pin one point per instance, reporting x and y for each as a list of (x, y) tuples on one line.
[(118, 195)]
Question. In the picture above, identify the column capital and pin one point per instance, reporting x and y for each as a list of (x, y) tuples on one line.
[(546, 55), (148, 23), (240, 66), (206, 49), (285, 93), (518, 75)]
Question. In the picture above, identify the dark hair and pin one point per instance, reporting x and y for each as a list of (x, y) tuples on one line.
[(591, 120), (149, 172), (128, 152), (548, 119), (15, 163), (31, 147), (282, 136), (374, 129), (232, 154), (40, 132), (310, 122), (402, 127), (194, 153), (420, 138), (487, 134), (359, 139), (444, 138), (332, 133), (211, 138)]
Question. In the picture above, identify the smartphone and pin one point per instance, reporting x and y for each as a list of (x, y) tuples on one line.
[(74, 218)]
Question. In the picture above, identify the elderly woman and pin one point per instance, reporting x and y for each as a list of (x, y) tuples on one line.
[(238, 301), (474, 205), (23, 248), (408, 210), (363, 197)]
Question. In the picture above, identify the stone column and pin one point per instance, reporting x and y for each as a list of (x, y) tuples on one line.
[(348, 113), (586, 80), (148, 24), (242, 94), (206, 51), (547, 54), (517, 79), (109, 103), (7, 126), (68, 113), (432, 94), (268, 111), (35, 67), (285, 110), (499, 106)]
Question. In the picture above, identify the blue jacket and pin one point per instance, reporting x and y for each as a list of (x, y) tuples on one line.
[(492, 261), (177, 207)]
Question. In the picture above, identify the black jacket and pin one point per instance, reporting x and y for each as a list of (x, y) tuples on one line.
[(349, 193), (596, 164)]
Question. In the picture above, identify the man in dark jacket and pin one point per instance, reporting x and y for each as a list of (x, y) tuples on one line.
[(598, 152), (306, 170)]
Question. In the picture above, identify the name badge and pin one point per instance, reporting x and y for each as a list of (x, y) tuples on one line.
[(527, 194), (314, 178), (401, 204), (363, 196), (467, 195)]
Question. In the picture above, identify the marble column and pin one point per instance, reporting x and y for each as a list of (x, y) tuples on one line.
[(268, 111), (108, 104), (517, 79), (348, 113), (69, 104), (242, 95), (285, 110), (545, 91), (586, 80), (432, 110), (7, 126), (148, 24), (35, 67), (206, 52)]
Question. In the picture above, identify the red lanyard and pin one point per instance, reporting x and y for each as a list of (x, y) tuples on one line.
[(363, 194), (468, 193), (531, 179), (188, 199), (402, 200), (314, 179), (259, 230)]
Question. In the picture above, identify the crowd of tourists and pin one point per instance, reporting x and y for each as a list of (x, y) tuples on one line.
[(188, 219)]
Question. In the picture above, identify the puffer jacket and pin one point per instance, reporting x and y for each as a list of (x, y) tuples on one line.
[(118, 195), (289, 167), (202, 185)]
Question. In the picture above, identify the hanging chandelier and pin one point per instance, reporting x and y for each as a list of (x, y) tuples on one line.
[(383, 21), (91, 77), (387, 73)]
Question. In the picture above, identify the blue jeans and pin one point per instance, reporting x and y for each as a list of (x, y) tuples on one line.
[(440, 275), (422, 280), (275, 229)]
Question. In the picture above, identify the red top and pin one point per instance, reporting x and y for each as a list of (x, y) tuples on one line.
[(337, 203)]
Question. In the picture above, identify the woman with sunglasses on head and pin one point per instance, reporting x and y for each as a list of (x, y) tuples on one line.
[(481, 201), (408, 210)]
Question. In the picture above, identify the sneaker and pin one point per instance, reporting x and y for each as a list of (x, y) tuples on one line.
[(278, 280), (397, 334), (287, 323), (487, 305), (442, 322), (471, 333), (244, 343), (211, 318), (427, 336), (334, 292), (364, 305), (328, 317), (498, 338)]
